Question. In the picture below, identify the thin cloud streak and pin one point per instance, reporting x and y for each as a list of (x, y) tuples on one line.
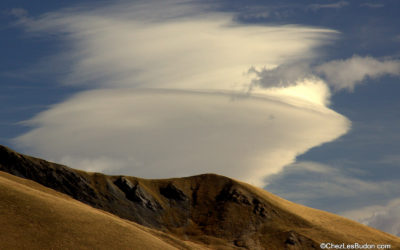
[(336, 5), (372, 5), (311, 181)]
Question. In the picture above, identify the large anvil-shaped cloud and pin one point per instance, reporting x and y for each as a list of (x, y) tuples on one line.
[(169, 93)]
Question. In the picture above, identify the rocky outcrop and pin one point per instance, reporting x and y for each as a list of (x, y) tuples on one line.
[(173, 193), (137, 194)]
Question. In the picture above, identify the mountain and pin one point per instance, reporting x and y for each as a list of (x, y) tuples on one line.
[(92, 210), (35, 217)]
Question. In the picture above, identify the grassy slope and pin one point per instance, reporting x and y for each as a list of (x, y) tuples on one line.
[(316, 225), (31, 214), (328, 227), (36, 217)]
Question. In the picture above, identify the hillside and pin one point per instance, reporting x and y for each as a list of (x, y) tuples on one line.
[(207, 210), (35, 217)]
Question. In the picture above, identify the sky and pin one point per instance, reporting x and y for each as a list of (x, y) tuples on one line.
[(297, 97)]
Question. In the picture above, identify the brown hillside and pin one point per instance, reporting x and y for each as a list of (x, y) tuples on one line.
[(207, 209), (36, 217)]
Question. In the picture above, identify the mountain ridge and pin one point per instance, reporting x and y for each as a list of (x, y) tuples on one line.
[(208, 209)]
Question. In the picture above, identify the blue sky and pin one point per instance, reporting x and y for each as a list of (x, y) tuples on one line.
[(170, 85)]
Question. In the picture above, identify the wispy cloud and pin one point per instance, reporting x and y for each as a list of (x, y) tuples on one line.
[(309, 181), (392, 159), (385, 217), (105, 50), (336, 5), (167, 96), (338, 74), (346, 74), (372, 5), (336, 189), (18, 12)]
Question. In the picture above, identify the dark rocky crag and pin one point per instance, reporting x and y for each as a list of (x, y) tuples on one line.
[(209, 208)]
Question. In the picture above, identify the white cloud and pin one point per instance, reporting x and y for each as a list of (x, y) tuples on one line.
[(384, 217), (169, 44), (346, 74), (339, 74), (174, 100), (94, 164), (160, 133)]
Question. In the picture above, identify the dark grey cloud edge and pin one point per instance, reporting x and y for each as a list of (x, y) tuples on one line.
[(339, 74)]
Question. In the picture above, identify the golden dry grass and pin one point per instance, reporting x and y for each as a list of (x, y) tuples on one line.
[(36, 217), (327, 227)]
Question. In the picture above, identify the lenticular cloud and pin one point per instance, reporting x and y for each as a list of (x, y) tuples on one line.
[(170, 93)]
